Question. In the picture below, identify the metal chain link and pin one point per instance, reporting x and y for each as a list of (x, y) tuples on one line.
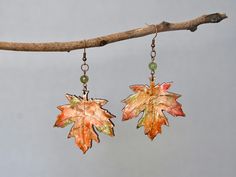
[(85, 68), (153, 53), (153, 58)]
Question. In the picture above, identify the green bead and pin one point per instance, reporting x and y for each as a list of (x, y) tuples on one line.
[(84, 79), (152, 66)]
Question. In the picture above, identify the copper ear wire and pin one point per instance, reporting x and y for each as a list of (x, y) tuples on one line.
[(84, 67), (153, 65)]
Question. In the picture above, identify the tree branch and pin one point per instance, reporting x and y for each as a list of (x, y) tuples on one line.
[(103, 40)]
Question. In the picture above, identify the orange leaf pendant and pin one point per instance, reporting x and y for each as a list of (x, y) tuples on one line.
[(152, 101), (86, 116)]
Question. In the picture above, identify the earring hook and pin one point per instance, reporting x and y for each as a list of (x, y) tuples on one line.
[(153, 65), (85, 46), (155, 33), (84, 67)]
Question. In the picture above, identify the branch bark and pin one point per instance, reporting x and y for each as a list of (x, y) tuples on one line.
[(103, 40)]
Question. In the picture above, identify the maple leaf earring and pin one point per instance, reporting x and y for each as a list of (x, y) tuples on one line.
[(85, 114), (152, 101)]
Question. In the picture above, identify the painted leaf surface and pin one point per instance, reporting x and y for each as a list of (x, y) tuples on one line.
[(86, 115), (152, 101)]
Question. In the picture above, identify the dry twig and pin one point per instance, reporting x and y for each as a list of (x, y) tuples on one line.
[(103, 40)]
